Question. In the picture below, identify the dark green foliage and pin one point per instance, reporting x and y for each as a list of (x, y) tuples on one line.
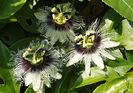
[(18, 27)]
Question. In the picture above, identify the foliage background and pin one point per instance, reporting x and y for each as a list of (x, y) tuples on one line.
[(18, 27)]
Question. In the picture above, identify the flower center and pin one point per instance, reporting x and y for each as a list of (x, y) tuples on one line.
[(87, 41), (59, 16), (35, 54)]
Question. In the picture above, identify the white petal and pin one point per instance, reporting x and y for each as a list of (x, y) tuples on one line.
[(53, 34), (58, 76), (18, 71), (106, 39), (65, 35), (48, 84), (41, 89), (54, 38), (28, 79), (98, 60), (106, 54), (71, 35), (48, 33), (74, 59), (47, 81), (109, 44), (40, 16), (61, 39), (36, 82), (87, 63), (53, 72)]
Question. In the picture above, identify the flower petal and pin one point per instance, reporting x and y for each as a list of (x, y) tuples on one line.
[(40, 16), (106, 39), (61, 37), (58, 76), (71, 35), (48, 33), (47, 81), (109, 44), (87, 63), (41, 89), (53, 72), (54, 38), (106, 54), (74, 59), (98, 60), (18, 71), (28, 79), (64, 34), (36, 82)]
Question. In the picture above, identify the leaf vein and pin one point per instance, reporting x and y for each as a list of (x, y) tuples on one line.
[(127, 5)]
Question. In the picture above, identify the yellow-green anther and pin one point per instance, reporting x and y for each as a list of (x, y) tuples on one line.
[(90, 32), (59, 18), (36, 59), (43, 52), (54, 10), (34, 55), (87, 41), (78, 37)]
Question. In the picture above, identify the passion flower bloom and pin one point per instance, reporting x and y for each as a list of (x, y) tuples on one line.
[(58, 23), (37, 65), (92, 47)]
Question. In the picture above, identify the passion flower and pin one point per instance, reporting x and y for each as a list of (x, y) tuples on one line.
[(91, 47), (37, 65), (58, 23)]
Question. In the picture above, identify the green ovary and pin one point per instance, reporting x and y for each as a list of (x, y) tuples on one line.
[(87, 41), (35, 54)]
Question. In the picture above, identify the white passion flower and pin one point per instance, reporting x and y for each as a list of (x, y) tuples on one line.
[(37, 65), (91, 47), (58, 23)]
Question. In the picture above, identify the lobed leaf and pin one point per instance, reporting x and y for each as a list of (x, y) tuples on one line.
[(123, 7), (10, 7)]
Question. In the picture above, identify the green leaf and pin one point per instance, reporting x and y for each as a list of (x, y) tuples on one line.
[(29, 90), (2, 25), (9, 20), (123, 84), (65, 84), (10, 7), (21, 44), (26, 18), (96, 76), (11, 33), (123, 7), (127, 34), (120, 65), (6, 74), (84, 0), (4, 55), (116, 85), (129, 55), (110, 19), (109, 22), (99, 89), (9, 85), (129, 78)]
